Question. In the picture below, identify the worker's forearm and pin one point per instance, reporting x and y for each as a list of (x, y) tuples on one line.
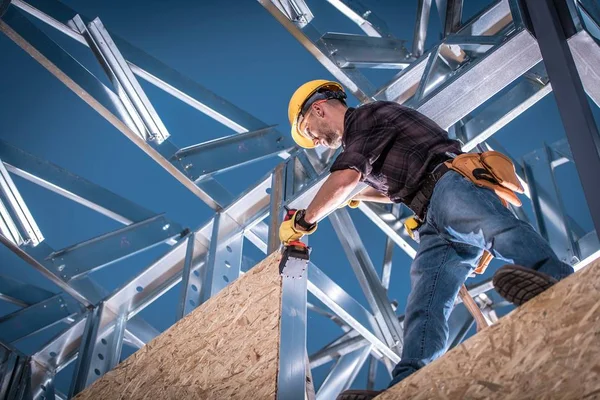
[(372, 195), (336, 189)]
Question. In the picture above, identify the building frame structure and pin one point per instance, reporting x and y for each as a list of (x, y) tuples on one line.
[(484, 73)]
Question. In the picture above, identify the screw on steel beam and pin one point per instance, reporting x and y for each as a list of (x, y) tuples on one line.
[(552, 27)]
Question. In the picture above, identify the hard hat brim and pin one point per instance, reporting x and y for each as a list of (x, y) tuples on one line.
[(300, 139)]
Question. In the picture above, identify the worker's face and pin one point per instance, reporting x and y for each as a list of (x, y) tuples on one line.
[(316, 126)]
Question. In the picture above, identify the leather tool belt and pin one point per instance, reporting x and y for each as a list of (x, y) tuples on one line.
[(419, 203), (491, 170)]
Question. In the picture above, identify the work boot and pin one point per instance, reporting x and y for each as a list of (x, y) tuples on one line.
[(519, 284), (358, 395)]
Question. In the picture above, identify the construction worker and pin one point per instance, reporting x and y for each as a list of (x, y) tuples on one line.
[(459, 201)]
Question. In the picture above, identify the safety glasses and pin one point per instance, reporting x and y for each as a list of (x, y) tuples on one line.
[(303, 118)]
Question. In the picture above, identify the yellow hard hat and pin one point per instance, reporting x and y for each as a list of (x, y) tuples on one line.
[(298, 100)]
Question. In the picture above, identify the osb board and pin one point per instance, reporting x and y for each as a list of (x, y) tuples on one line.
[(547, 349), (225, 349)]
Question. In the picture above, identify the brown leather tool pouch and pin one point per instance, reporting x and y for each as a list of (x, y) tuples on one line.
[(491, 170), (503, 170)]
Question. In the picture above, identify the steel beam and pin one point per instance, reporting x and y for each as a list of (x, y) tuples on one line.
[(225, 256), (105, 348), (34, 38), (30, 320), (423, 10), (85, 257), (78, 189), (353, 80), (41, 382), (24, 294), (386, 270), (548, 206), (362, 16), (459, 324), (138, 332), (480, 127), (296, 11), (15, 374), (61, 350), (348, 309), (363, 267), (453, 16), (157, 279), (93, 92), (355, 51), (278, 192), (586, 54), (57, 15), (220, 155), (291, 376), (141, 111), (490, 74), (343, 373), (334, 318), (44, 271), (404, 85), (390, 225), (85, 353), (330, 353), (70, 186), (573, 106), (190, 282), (19, 210)]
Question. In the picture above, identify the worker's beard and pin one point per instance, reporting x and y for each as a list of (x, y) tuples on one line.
[(330, 136)]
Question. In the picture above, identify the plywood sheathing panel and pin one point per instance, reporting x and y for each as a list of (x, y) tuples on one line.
[(547, 349), (225, 349)]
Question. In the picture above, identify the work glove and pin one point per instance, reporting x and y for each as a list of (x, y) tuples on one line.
[(350, 203), (293, 228)]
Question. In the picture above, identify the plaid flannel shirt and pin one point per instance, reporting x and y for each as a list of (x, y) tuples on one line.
[(393, 147)]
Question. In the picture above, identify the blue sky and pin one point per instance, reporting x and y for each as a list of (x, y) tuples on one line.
[(236, 49)]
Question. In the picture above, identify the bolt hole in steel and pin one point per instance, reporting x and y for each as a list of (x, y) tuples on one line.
[(100, 356), (192, 303), (139, 288), (229, 249), (103, 341), (52, 354), (97, 371), (194, 288), (197, 273), (227, 264), (226, 279), (268, 190)]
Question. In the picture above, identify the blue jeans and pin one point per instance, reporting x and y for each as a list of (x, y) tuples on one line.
[(462, 221)]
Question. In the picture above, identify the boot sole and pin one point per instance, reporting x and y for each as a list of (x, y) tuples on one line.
[(519, 284)]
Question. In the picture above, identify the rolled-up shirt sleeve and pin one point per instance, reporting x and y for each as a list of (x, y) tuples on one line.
[(352, 160)]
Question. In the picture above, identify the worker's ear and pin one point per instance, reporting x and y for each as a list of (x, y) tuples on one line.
[(319, 110)]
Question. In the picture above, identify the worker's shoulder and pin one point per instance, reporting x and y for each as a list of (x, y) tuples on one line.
[(381, 110)]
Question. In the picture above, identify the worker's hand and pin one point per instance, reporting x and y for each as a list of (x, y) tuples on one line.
[(293, 228), (350, 203)]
